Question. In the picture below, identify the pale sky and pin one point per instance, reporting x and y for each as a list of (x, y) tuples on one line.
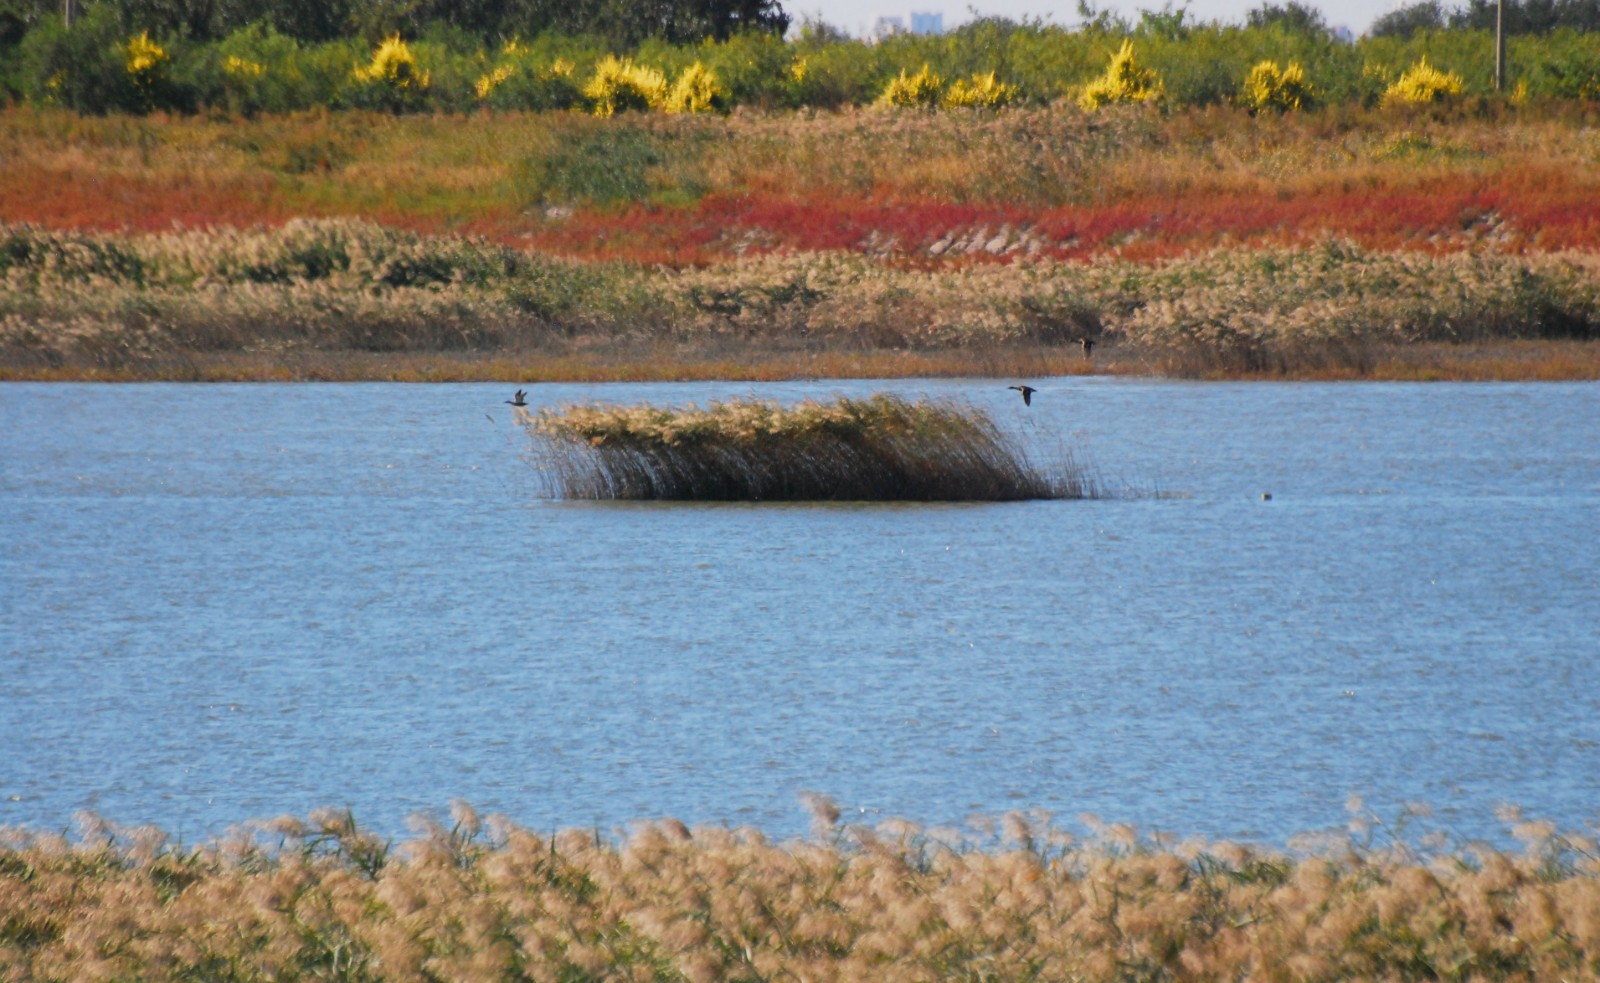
[(856, 17)]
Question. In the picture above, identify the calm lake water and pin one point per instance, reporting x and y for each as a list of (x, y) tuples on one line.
[(220, 603)]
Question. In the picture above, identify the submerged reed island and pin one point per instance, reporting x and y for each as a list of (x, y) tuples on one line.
[(483, 901), (882, 448)]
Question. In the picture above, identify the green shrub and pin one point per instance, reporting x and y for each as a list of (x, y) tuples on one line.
[(580, 160), (96, 67), (517, 85), (751, 69), (1560, 67)]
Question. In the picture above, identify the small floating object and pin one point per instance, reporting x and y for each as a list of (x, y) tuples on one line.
[(1266, 496)]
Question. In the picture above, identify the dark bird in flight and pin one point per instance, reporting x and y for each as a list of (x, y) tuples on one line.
[(519, 401), (1027, 393), (1088, 346)]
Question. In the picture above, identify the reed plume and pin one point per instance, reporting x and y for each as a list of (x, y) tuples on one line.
[(482, 902)]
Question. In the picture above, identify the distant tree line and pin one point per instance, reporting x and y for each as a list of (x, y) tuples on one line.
[(621, 23), (1521, 17), (252, 56), (626, 23)]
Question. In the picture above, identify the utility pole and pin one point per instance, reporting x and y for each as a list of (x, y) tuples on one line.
[(1500, 45)]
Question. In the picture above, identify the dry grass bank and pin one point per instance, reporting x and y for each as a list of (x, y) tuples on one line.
[(1546, 361), (1339, 244), (470, 901), (335, 298)]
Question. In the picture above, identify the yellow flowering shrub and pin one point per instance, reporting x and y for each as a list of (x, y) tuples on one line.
[(697, 90), (394, 67), (242, 68), (1422, 83), (922, 89), (1271, 87), (981, 91), (496, 77), (486, 84), (1125, 80), (619, 85), (145, 60)]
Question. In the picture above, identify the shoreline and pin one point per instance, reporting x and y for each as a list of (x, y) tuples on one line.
[(1502, 361)]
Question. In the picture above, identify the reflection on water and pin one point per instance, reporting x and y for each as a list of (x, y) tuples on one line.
[(227, 602)]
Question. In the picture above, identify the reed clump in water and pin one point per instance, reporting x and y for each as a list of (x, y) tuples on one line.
[(882, 448)]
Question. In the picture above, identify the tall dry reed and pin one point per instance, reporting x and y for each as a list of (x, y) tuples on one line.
[(475, 900)]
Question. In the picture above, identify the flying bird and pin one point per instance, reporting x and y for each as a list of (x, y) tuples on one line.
[(1027, 393), (519, 401)]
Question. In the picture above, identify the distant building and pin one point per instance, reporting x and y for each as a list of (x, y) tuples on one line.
[(920, 22), (888, 27)]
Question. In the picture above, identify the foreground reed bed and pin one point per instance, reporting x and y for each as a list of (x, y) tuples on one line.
[(883, 448), (475, 900)]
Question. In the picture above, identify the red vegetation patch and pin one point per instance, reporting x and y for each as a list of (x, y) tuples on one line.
[(1529, 212), (108, 201), (1150, 227)]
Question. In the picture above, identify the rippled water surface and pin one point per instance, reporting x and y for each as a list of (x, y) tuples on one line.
[(229, 602)]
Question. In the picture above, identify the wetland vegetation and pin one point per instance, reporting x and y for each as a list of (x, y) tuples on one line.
[(428, 194), (476, 899), (351, 299)]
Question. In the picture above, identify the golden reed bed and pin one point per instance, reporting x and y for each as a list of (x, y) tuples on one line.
[(476, 900)]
